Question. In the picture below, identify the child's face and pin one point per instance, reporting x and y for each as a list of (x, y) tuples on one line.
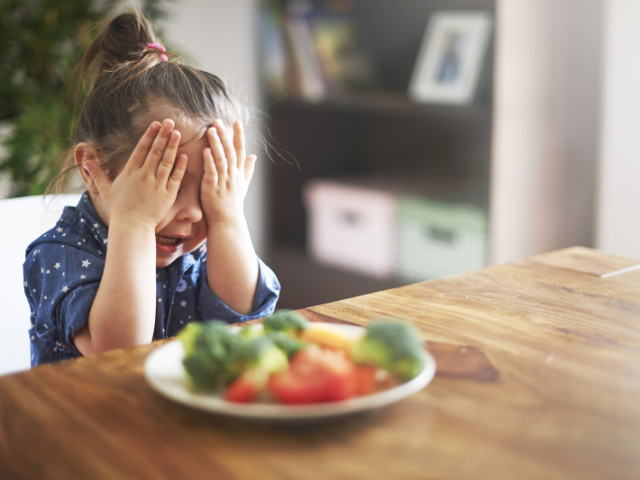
[(184, 229)]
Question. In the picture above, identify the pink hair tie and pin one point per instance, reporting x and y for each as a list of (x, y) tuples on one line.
[(160, 48)]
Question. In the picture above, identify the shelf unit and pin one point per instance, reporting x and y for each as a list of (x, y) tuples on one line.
[(377, 133)]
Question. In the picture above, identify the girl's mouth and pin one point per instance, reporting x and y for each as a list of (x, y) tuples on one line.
[(167, 240), (168, 244)]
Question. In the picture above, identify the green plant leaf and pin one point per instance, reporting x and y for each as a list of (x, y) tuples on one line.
[(41, 42)]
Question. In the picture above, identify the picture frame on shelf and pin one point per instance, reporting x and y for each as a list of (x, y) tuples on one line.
[(450, 57)]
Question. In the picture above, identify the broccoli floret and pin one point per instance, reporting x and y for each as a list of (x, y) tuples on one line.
[(287, 343), (286, 321), (259, 354), (249, 332), (391, 345), (208, 347)]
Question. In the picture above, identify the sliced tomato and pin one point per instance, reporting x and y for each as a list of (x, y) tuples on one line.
[(314, 375), (244, 388), (365, 379)]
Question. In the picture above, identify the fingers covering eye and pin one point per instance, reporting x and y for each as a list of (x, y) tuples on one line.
[(210, 171), (218, 152), (239, 143)]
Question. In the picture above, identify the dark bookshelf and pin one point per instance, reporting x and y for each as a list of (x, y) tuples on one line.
[(372, 133)]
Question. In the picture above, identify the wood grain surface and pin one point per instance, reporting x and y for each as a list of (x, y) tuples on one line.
[(588, 261), (542, 382)]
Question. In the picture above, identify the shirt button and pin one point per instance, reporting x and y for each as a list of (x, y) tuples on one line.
[(182, 286)]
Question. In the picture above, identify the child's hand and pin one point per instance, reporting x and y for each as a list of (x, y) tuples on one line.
[(227, 174), (146, 189)]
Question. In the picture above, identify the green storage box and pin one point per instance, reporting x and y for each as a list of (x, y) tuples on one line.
[(435, 239)]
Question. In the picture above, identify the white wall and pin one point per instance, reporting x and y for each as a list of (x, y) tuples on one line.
[(618, 226), (220, 36), (546, 120)]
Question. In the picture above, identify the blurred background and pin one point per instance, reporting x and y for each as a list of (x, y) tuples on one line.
[(398, 140)]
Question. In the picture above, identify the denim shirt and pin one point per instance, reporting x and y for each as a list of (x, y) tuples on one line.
[(62, 273)]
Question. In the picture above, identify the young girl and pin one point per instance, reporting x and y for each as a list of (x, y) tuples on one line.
[(159, 239)]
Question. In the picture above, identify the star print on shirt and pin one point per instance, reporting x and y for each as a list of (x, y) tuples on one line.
[(59, 229), (65, 289), (86, 263), (82, 277), (183, 303), (56, 266)]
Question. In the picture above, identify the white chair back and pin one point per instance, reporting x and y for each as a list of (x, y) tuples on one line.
[(23, 220)]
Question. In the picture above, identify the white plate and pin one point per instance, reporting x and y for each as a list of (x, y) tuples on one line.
[(165, 373)]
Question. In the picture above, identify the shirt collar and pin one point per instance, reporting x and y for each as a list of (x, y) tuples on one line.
[(85, 210)]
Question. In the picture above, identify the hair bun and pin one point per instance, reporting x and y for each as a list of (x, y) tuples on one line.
[(123, 40)]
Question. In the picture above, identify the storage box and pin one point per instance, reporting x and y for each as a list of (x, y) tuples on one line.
[(351, 227), (437, 239)]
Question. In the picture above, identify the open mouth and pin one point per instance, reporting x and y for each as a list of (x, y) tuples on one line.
[(162, 240)]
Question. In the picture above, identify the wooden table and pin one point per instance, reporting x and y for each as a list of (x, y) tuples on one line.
[(538, 377)]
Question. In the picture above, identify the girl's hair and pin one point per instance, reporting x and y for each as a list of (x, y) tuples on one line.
[(135, 84)]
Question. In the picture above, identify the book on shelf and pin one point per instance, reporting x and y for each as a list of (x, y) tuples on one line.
[(273, 56), (307, 69), (344, 62), (311, 54)]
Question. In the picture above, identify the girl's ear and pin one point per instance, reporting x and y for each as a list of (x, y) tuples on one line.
[(85, 152)]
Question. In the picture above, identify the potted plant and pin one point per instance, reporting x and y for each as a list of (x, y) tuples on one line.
[(41, 93)]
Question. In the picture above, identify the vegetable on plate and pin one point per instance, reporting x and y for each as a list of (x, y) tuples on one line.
[(289, 360)]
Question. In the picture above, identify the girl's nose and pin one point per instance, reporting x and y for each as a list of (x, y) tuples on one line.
[(190, 209)]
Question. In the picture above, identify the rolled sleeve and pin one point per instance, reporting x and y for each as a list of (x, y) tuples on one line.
[(73, 312), (61, 290), (267, 293)]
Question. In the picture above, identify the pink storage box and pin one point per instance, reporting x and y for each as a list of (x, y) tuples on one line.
[(351, 227)]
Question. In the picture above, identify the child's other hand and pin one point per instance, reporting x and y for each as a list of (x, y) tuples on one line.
[(147, 186), (227, 174)]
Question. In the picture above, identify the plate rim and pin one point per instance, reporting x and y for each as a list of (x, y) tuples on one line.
[(269, 411)]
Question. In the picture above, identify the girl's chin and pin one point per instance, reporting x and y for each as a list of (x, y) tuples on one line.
[(167, 254), (166, 258)]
